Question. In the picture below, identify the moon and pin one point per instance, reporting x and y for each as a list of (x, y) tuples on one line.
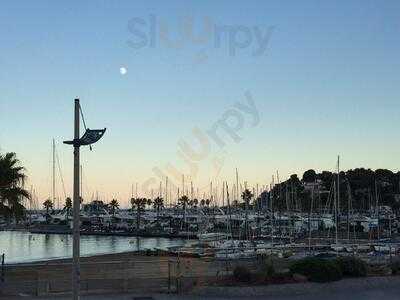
[(123, 70)]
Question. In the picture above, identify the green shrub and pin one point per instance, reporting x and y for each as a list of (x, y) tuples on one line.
[(395, 267), (287, 254), (352, 266), (268, 269), (318, 270), (242, 274)]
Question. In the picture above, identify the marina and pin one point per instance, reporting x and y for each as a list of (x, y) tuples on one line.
[(181, 149)]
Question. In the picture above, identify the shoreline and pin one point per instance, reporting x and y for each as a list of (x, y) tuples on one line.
[(58, 230), (67, 260)]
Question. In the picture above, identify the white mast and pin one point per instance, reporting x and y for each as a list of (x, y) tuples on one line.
[(53, 194), (81, 187), (337, 205), (338, 187), (237, 186)]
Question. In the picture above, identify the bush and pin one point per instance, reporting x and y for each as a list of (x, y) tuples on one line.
[(318, 270), (268, 269), (395, 267), (242, 274), (352, 266)]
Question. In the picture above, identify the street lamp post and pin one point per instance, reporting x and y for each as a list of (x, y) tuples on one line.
[(90, 137), (76, 210)]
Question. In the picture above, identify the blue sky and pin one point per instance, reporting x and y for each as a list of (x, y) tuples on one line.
[(327, 84)]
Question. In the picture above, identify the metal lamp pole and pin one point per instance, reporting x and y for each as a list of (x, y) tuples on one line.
[(90, 137), (76, 210)]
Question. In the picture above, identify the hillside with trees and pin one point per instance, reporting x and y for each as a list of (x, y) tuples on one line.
[(360, 190)]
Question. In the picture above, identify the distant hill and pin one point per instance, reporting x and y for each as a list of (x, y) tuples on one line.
[(360, 188)]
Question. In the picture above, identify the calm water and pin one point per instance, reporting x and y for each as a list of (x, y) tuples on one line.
[(28, 247)]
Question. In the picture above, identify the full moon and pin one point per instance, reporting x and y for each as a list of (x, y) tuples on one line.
[(123, 70)]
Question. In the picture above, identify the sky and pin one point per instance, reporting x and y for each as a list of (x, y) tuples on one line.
[(198, 88)]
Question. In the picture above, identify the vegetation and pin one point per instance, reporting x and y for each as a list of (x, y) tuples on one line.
[(158, 204), (183, 202), (194, 203), (12, 193), (395, 267), (242, 274), (317, 270), (68, 206), (114, 205), (360, 185), (268, 269), (48, 204), (139, 204), (247, 196), (352, 266)]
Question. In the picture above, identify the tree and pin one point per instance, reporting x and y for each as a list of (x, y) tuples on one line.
[(247, 196), (158, 204), (183, 202), (139, 204), (12, 193), (114, 205), (309, 176), (195, 203), (68, 206), (48, 205)]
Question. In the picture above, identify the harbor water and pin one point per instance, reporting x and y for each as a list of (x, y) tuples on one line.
[(22, 247)]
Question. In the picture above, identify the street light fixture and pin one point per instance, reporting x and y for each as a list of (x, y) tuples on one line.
[(90, 137)]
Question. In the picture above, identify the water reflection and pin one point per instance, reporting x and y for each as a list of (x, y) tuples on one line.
[(27, 247)]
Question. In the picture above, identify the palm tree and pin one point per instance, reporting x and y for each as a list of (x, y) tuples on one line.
[(114, 205), (148, 202), (12, 179), (246, 196), (68, 206), (139, 204), (183, 201), (195, 202), (158, 204), (48, 205), (235, 203)]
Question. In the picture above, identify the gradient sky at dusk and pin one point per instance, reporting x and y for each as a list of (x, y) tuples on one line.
[(327, 84)]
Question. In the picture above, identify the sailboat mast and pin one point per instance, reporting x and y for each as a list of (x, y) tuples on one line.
[(211, 192), (335, 212), (183, 184), (191, 190), (338, 185), (53, 176), (237, 186), (377, 208), (229, 210), (223, 194), (166, 190), (81, 189)]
